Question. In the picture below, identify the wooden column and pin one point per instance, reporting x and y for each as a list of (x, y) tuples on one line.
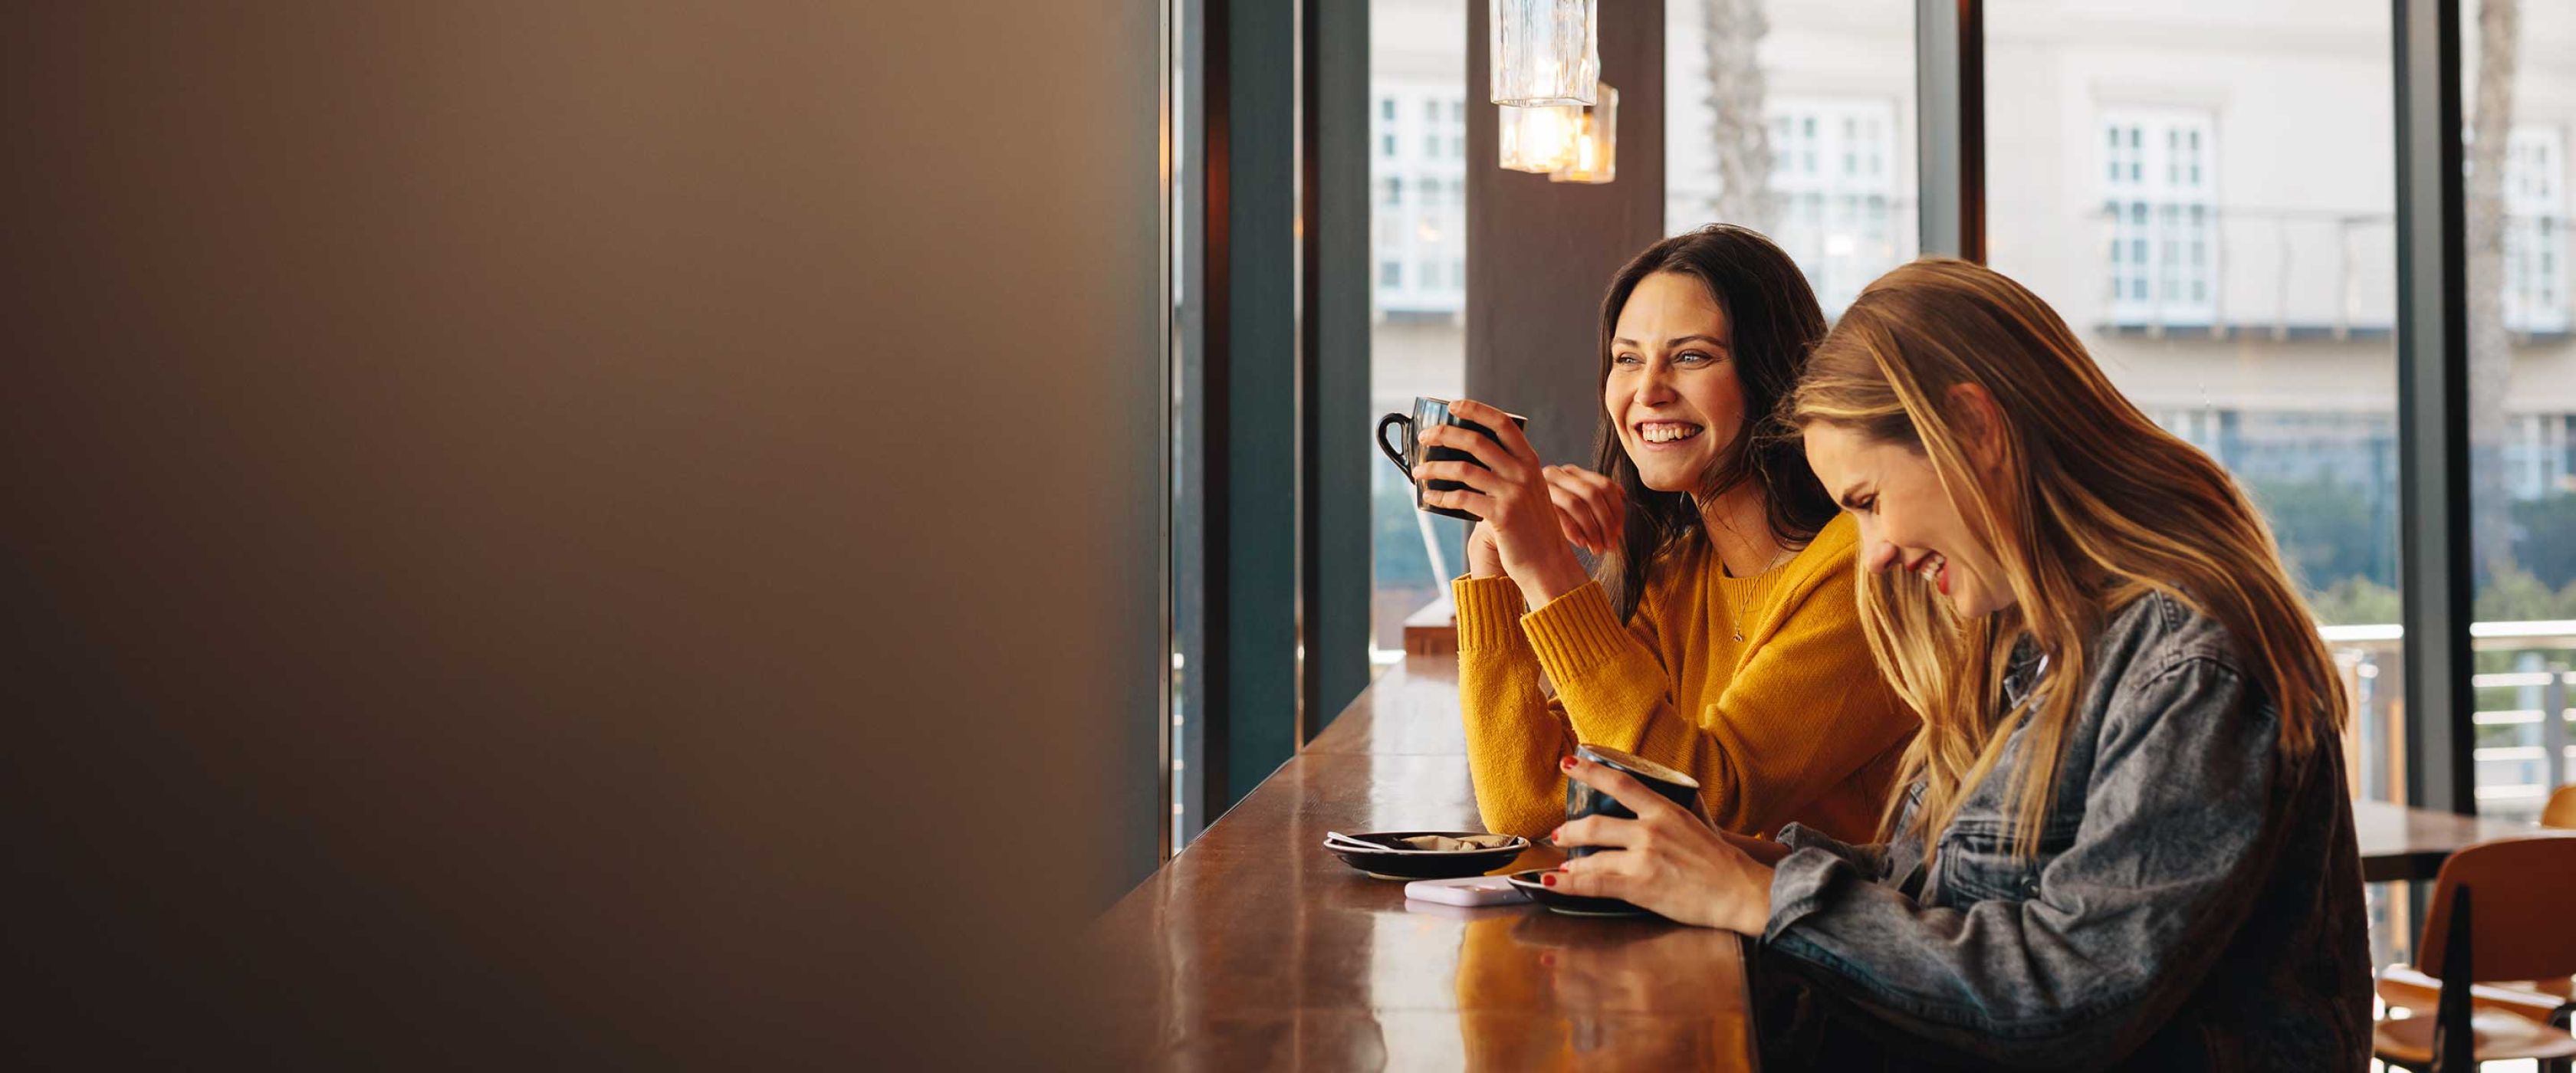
[(1539, 254)]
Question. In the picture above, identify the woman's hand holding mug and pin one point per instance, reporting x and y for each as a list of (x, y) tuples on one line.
[(1668, 860), (1526, 526)]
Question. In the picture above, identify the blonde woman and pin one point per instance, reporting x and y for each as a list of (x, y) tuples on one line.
[(2122, 837), (1719, 638)]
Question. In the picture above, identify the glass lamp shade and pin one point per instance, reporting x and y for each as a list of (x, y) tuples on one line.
[(1539, 140), (1594, 141), (1544, 52)]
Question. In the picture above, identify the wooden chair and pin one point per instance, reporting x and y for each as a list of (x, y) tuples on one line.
[(2499, 912), (2561, 809), (2403, 985)]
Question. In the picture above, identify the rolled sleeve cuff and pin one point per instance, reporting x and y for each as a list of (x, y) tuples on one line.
[(1489, 611), (1799, 885), (1798, 836), (1575, 633)]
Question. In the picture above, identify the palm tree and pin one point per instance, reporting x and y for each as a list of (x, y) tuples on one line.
[(1737, 134), (2490, 359)]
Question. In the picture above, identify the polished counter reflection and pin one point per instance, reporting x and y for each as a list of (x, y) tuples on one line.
[(1256, 949)]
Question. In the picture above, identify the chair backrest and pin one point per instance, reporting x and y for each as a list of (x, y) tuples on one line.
[(2560, 811), (2520, 923)]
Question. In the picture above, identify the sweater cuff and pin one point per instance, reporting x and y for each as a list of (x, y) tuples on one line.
[(1489, 611), (1575, 633)]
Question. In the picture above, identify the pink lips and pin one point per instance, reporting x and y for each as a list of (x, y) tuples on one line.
[(1943, 579)]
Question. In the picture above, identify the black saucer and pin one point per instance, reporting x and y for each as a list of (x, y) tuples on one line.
[(1574, 905), (1391, 863)]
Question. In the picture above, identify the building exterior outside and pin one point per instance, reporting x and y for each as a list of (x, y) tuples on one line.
[(1417, 338), (2204, 189)]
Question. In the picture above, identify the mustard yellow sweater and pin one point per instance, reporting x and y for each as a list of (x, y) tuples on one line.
[(1793, 723)]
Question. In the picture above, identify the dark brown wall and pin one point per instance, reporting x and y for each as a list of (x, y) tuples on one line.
[(610, 532), (1539, 254)]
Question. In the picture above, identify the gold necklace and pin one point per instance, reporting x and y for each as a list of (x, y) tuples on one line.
[(1735, 615)]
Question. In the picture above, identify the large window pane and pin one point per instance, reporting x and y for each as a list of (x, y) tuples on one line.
[(2205, 190), (2519, 70), (1417, 333), (1796, 119)]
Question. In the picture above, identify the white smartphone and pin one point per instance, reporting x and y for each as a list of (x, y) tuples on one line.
[(1472, 890)]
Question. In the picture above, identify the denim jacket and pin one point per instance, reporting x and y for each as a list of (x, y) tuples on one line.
[(2196, 901)]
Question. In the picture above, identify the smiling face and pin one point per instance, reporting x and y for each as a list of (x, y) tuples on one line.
[(1672, 391), (1907, 520)]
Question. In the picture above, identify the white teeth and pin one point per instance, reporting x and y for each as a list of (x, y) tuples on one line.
[(1667, 433), (1931, 569)]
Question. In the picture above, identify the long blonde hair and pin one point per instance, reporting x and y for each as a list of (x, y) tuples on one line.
[(2095, 507)]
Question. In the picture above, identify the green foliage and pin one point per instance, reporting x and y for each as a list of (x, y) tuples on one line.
[(2513, 594), (1397, 537), (2546, 544), (1400, 558), (2329, 534), (2356, 601)]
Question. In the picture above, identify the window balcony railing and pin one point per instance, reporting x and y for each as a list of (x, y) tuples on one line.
[(2290, 274), (2522, 729)]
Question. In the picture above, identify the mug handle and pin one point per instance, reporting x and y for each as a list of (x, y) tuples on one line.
[(1393, 455)]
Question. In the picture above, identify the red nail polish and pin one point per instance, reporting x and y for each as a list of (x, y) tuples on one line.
[(1548, 880), (1568, 763)]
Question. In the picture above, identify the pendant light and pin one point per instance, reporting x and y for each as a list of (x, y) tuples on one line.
[(1593, 143), (1544, 52), (1539, 140)]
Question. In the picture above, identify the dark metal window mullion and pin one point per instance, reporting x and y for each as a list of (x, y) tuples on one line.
[(1950, 128), (1204, 612), (2432, 399)]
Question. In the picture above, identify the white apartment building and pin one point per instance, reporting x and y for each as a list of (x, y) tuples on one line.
[(1418, 182), (2205, 189)]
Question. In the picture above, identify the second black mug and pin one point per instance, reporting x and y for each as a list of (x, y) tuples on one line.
[(1582, 800)]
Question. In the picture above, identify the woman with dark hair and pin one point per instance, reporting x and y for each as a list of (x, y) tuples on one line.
[(1720, 636)]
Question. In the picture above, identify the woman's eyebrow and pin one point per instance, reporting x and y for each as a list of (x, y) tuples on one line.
[(1674, 341)]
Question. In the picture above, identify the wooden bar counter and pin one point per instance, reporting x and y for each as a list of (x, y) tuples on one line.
[(1255, 949)]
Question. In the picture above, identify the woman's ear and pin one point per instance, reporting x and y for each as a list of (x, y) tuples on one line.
[(1980, 426)]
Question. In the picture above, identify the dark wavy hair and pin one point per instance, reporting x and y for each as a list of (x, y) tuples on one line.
[(1772, 323)]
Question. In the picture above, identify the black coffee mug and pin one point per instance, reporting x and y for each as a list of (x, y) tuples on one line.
[(1582, 801), (1426, 413)]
